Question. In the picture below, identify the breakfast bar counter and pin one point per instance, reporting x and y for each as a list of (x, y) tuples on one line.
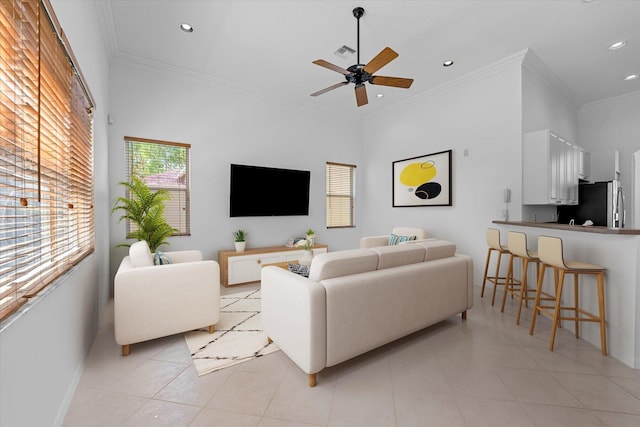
[(617, 250)]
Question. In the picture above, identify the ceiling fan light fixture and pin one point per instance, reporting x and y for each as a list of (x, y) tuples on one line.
[(187, 28), (617, 45), (632, 77)]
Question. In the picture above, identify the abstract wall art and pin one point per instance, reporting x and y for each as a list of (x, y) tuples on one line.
[(423, 180)]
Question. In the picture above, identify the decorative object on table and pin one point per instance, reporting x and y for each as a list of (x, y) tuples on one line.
[(311, 236), (238, 336), (240, 242), (145, 211), (423, 180), (300, 269), (308, 251)]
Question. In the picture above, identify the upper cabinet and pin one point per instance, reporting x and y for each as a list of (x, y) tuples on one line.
[(550, 169), (605, 165)]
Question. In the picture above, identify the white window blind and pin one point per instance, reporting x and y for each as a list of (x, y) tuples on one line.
[(46, 154), (163, 165), (341, 195)]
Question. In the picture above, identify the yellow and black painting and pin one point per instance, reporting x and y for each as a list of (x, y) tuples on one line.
[(423, 180)]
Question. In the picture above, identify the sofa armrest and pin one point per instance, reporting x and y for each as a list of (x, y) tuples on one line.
[(294, 317), (156, 301), (374, 241)]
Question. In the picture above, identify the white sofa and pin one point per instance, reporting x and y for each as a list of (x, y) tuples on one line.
[(375, 241), (357, 300), (153, 301)]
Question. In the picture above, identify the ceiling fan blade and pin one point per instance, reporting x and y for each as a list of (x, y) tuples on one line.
[(325, 64), (391, 81), (327, 89), (361, 95), (383, 58)]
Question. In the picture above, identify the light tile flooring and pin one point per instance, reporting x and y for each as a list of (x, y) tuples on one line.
[(484, 371)]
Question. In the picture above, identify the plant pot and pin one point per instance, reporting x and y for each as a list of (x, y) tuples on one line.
[(240, 246)]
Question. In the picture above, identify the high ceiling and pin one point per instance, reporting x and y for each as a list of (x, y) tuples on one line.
[(266, 47)]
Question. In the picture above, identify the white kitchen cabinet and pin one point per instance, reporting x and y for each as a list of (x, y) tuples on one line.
[(584, 164), (605, 165), (549, 169)]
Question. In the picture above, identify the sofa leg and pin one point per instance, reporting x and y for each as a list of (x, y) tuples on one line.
[(464, 315), (312, 380), (126, 350), (212, 329)]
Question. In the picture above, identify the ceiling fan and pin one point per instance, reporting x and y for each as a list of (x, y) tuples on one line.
[(360, 74)]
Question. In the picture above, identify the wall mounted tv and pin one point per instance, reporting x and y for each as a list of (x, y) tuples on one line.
[(262, 191)]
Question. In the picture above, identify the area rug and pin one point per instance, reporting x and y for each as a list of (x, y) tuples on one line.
[(238, 336)]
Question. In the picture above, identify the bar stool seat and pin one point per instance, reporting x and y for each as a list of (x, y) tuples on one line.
[(551, 255), (493, 241), (517, 244)]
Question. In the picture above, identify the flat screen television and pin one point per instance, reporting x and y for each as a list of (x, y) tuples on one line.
[(263, 191)]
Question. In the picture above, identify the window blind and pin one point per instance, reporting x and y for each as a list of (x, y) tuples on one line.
[(163, 165), (46, 154), (341, 193)]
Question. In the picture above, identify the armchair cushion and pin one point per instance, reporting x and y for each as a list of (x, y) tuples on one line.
[(140, 254)]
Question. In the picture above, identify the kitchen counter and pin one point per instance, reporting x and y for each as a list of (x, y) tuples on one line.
[(618, 251), (567, 227)]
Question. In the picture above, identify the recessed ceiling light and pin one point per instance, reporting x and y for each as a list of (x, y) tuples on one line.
[(632, 77), (380, 95), (448, 63), (617, 45), (186, 28)]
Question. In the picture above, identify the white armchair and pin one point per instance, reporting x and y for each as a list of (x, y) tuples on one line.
[(153, 301), (375, 241)]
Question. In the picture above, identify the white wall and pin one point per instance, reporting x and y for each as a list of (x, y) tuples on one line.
[(224, 126), (480, 113), (42, 350), (544, 106), (613, 124)]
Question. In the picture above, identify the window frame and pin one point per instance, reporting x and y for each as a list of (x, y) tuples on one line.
[(345, 181), (180, 222)]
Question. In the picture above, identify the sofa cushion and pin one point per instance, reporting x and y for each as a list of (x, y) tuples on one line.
[(437, 249), (140, 254), (342, 263), (160, 258), (396, 240), (395, 256)]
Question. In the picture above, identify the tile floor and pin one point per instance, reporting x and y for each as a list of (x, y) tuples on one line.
[(484, 371)]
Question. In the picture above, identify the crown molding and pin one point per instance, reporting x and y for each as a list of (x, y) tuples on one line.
[(618, 98), (507, 63), (107, 26), (533, 64)]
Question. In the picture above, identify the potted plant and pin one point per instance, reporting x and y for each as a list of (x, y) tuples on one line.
[(311, 236), (240, 242), (145, 211), (307, 256)]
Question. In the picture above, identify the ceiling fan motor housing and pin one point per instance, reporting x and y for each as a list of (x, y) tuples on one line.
[(359, 75)]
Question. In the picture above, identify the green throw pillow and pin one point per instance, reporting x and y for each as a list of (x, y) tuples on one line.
[(160, 258), (394, 240)]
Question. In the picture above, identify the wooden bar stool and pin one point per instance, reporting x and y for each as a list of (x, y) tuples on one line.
[(517, 244), (493, 240), (551, 255)]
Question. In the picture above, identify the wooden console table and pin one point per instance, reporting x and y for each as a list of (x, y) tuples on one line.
[(244, 267)]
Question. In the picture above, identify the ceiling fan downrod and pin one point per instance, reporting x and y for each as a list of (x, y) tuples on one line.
[(358, 12)]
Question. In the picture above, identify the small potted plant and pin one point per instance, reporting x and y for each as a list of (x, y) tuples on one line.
[(311, 236), (308, 251), (240, 242)]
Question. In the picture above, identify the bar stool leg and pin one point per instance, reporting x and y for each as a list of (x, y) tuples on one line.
[(556, 314), (536, 301), (524, 292), (575, 300), (603, 331), (486, 270), (507, 281), (495, 285)]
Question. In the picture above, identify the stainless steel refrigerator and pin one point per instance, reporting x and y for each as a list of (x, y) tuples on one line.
[(602, 203)]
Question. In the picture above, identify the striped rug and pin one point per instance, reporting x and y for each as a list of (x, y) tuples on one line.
[(238, 336)]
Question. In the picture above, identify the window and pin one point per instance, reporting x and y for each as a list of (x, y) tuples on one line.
[(341, 195), (46, 154), (162, 164)]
